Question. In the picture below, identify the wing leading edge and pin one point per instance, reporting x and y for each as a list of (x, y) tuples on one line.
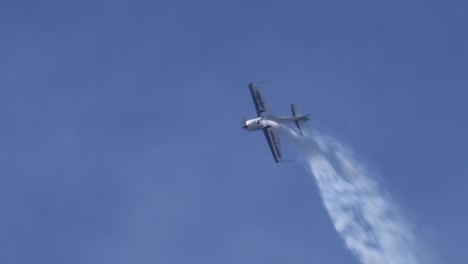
[(261, 105), (273, 140)]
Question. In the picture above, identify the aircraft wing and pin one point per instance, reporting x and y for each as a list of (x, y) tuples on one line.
[(261, 105), (272, 138)]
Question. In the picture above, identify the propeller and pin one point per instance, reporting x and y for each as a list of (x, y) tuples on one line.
[(243, 120)]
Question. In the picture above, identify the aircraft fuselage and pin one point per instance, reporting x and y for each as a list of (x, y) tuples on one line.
[(259, 123), (253, 124)]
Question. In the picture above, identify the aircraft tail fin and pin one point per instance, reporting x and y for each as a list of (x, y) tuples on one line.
[(301, 118)]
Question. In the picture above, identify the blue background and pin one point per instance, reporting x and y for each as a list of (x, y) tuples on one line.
[(120, 137)]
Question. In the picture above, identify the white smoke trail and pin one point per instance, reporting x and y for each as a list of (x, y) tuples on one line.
[(370, 223)]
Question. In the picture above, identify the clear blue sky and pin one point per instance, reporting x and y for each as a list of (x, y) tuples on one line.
[(120, 137)]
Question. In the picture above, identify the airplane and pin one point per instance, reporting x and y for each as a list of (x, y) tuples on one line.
[(264, 114)]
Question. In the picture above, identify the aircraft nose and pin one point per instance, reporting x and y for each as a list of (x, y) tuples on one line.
[(244, 126)]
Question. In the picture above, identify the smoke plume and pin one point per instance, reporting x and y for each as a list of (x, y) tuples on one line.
[(371, 225)]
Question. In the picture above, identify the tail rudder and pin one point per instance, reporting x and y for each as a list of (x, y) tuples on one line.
[(300, 121), (295, 110)]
